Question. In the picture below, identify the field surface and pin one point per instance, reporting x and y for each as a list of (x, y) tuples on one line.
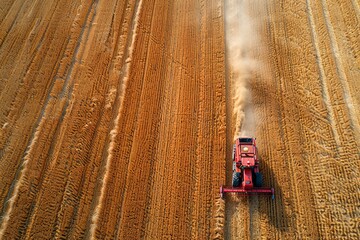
[(117, 118)]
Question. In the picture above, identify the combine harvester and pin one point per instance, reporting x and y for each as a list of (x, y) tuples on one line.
[(247, 180)]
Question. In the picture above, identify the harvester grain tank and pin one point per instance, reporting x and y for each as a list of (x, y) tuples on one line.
[(247, 179)]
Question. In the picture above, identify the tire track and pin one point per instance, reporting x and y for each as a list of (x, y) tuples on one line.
[(341, 71), (17, 86), (341, 163), (147, 131), (42, 122), (218, 176), (7, 24), (135, 197), (203, 131), (122, 57), (8, 171), (356, 7), (75, 185), (325, 90), (130, 59), (5, 9), (160, 187), (114, 132), (86, 205), (161, 41), (292, 138)]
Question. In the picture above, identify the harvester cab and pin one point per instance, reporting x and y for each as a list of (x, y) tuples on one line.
[(247, 179)]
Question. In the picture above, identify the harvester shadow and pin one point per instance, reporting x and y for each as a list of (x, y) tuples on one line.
[(274, 208), (259, 205)]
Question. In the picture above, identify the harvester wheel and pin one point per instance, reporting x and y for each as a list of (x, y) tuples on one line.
[(258, 181), (236, 179)]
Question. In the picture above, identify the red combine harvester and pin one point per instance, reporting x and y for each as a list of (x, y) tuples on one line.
[(247, 179)]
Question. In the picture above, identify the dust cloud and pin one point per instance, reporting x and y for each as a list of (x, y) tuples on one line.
[(242, 39)]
